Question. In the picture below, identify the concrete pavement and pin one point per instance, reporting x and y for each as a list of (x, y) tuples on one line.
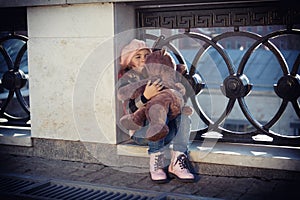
[(206, 186)]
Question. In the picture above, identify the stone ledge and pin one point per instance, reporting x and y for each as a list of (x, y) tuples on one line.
[(208, 157), (22, 3), (232, 154), (18, 137)]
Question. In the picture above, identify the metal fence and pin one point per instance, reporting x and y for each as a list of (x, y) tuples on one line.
[(14, 80), (238, 82)]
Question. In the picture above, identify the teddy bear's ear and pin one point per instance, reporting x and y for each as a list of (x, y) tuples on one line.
[(163, 51), (181, 68)]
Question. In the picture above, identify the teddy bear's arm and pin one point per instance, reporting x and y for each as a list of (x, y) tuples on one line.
[(180, 87), (128, 90)]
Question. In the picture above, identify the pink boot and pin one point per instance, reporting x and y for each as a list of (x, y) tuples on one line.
[(178, 167), (157, 174)]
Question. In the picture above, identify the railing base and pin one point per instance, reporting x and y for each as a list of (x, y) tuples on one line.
[(232, 159), (208, 157), (15, 136)]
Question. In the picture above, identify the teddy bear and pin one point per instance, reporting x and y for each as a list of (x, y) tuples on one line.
[(169, 103)]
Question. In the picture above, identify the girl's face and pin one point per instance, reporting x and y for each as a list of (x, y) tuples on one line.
[(138, 60)]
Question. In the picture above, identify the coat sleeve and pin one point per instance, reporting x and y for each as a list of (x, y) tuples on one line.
[(130, 90)]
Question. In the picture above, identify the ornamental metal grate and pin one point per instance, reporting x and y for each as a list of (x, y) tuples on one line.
[(14, 84), (19, 187), (246, 83), (14, 81)]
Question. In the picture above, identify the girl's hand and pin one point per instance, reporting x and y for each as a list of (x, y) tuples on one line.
[(152, 89)]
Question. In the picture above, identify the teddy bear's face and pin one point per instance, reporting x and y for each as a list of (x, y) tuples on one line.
[(160, 64)]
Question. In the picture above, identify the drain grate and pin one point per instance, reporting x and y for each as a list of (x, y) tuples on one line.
[(12, 185), (29, 188), (20, 187), (58, 191)]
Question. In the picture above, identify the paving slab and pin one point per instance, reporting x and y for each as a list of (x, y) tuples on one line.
[(98, 175)]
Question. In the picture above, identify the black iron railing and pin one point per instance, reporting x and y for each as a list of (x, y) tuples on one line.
[(14, 81), (236, 85)]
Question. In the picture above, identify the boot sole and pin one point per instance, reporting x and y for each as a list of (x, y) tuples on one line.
[(184, 180), (159, 181)]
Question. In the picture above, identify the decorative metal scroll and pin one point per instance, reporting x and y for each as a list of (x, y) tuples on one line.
[(13, 80), (220, 15), (236, 85)]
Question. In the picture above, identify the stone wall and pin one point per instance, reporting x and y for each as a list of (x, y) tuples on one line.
[(71, 68)]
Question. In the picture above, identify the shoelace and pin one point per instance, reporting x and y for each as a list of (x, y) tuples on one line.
[(159, 162), (183, 161)]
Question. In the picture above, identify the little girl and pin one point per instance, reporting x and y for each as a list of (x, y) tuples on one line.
[(133, 57)]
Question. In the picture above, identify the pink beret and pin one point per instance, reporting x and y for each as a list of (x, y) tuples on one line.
[(130, 50)]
